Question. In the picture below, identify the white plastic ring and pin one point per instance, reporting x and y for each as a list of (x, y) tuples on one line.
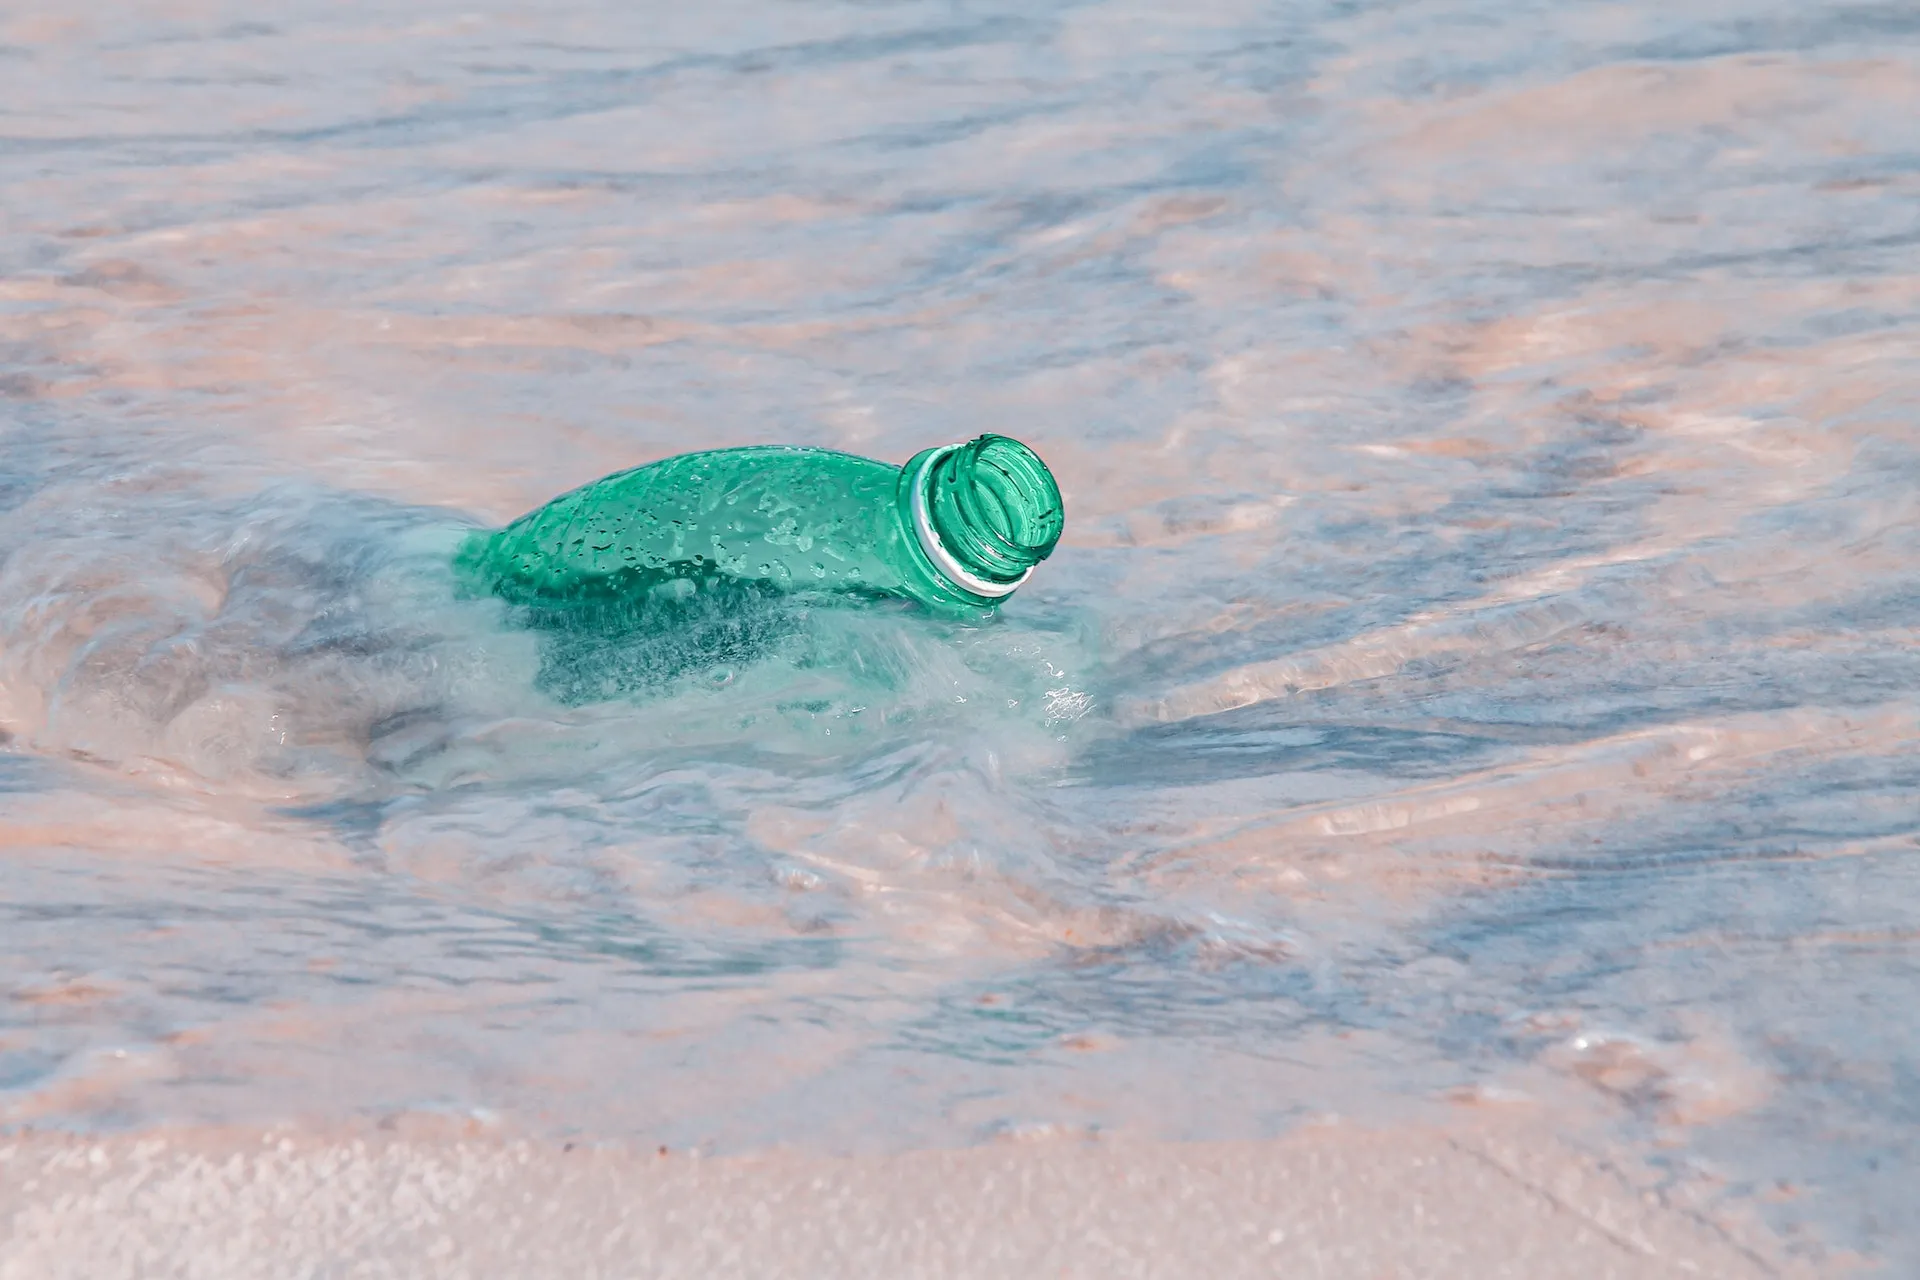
[(930, 540)]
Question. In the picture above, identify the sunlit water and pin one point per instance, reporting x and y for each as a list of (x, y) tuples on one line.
[(1480, 665)]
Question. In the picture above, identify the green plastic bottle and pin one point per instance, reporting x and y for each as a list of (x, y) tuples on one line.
[(959, 528)]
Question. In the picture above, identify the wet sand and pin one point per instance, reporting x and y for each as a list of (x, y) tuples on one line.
[(1327, 1201), (1481, 661)]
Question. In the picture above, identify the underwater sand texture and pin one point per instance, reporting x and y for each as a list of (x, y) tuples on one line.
[(1479, 673)]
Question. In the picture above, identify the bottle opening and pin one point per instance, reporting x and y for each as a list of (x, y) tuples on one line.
[(987, 512)]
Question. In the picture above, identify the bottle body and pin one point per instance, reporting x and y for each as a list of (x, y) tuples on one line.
[(958, 527)]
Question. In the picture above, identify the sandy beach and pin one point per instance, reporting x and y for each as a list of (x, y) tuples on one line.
[(1329, 1201), (1476, 693)]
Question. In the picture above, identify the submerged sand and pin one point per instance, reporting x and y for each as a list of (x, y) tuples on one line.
[(1484, 652), (1326, 1201)]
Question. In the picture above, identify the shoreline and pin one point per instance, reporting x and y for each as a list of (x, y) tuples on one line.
[(1326, 1201)]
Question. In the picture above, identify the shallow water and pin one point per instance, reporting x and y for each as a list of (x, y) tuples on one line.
[(1479, 669)]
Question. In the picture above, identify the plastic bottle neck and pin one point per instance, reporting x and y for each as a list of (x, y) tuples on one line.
[(984, 513)]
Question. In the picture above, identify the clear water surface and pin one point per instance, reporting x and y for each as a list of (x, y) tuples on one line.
[(1480, 668)]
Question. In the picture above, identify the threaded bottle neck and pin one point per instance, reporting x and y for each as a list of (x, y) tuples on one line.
[(984, 512)]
